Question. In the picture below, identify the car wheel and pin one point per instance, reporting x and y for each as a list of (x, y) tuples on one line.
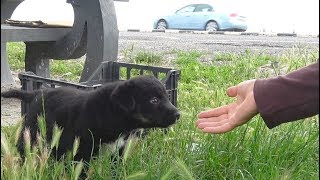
[(212, 26), (162, 24)]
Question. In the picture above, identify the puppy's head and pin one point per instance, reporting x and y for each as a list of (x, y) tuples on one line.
[(146, 100)]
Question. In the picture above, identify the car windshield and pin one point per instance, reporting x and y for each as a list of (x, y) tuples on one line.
[(186, 9)]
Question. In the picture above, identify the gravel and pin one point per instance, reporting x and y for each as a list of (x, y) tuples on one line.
[(212, 43), (10, 108)]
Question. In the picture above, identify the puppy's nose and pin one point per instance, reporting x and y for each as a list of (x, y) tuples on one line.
[(177, 115)]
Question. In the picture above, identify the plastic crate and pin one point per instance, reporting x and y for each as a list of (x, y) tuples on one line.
[(107, 72)]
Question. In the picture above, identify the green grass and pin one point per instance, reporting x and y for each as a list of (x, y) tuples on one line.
[(16, 55), (252, 151), (59, 69)]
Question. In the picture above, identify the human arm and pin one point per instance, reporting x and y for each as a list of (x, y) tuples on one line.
[(290, 97), (278, 100)]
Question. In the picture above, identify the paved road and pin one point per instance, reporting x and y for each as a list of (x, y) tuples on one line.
[(213, 43)]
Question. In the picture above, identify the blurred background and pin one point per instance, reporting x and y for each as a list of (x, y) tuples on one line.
[(268, 16)]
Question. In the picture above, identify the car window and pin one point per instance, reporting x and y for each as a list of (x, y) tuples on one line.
[(203, 8), (186, 9)]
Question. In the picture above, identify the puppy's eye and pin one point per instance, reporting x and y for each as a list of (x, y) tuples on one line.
[(154, 100)]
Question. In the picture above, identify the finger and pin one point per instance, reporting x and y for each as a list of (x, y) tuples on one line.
[(241, 116), (214, 112), (212, 119), (232, 91), (211, 124), (220, 129)]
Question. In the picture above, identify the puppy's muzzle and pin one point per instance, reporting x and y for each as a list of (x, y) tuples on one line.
[(177, 115)]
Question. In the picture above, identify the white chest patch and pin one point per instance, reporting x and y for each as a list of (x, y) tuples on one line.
[(116, 145)]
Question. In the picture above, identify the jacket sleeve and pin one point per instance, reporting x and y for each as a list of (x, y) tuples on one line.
[(290, 97)]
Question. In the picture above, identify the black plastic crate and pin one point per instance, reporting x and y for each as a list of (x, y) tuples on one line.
[(107, 72)]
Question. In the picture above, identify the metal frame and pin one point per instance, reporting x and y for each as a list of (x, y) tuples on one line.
[(94, 33)]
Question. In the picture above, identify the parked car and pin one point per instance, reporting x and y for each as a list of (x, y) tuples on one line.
[(202, 17)]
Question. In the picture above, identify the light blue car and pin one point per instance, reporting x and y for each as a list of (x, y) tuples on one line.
[(202, 17)]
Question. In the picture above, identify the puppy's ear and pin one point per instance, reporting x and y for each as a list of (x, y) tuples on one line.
[(122, 95)]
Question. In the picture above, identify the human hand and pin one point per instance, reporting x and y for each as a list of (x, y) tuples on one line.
[(225, 118)]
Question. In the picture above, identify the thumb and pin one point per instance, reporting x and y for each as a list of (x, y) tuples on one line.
[(232, 91)]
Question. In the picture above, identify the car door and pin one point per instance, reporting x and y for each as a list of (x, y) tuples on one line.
[(200, 16), (180, 19)]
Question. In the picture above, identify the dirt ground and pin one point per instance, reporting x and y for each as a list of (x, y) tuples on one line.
[(10, 108)]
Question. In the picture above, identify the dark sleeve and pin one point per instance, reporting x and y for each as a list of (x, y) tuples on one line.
[(290, 97)]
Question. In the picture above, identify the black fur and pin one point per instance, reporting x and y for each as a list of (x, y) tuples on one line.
[(23, 95), (116, 109)]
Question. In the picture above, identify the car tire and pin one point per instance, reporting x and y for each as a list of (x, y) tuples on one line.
[(212, 26), (162, 24)]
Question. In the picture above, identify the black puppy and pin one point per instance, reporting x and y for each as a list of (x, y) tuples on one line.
[(105, 115)]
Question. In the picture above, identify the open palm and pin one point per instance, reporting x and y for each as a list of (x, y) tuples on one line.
[(225, 118)]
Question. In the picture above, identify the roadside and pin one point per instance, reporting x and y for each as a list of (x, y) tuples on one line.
[(167, 45), (10, 108)]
